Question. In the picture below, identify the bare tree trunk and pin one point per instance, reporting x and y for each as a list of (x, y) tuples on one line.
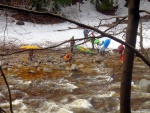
[(79, 5), (126, 4), (145, 52), (92, 41), (133, 20), (141, 36)]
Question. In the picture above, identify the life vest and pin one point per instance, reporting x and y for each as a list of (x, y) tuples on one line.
[(31, 53), (122, 57), (72, 42), (120, 49)]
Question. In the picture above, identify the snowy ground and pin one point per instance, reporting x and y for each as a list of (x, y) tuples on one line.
[(44, 35)]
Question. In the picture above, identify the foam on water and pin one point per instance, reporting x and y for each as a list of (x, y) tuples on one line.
[(103, 76), (67, 86), (23, 82), (1, 95), (15, 102), (108, 94), (142, 111), (143, 95), (64, 110), (133, 85), (79, 103)]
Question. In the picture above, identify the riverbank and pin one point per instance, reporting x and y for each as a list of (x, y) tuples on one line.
[(51, 63)]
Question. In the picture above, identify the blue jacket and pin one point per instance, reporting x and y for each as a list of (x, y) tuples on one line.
[(85, 31)]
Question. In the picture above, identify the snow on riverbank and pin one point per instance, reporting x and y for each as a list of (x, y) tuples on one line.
[(44, 35)]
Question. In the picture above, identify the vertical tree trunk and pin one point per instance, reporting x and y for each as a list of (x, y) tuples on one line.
[(126, 4), (133, 20), (141, 42), (79, 5)]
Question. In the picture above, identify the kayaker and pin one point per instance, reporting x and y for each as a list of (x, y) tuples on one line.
[(86, 33), (31, 56), (120, 50), (72, 44)]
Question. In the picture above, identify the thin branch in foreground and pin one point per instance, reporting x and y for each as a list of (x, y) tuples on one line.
[(1, 110), (10, 99), (112, 76)]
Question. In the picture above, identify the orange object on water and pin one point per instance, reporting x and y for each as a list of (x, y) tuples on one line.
[(68, 57)]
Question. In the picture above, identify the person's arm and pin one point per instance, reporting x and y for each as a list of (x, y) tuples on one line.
[(101, 43)]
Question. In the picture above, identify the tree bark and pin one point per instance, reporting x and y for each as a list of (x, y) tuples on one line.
[(125, 91)]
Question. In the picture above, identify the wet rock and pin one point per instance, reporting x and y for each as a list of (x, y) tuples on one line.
[(56, 63), (16, 94), (73, 67), (97, 103), (47, 70), (50, 59), (31, 71), (80, 66), (62, 64), (39, 68), (87, 70), (83, 110), (111, 104), (2, 98), (144, 85), (11, 64), (102, 70), (63, 110), (50, 64), (9, 69), (4, 67), (1, 62), (20, 22), (98, 60), (79, 104), (36, 64), (80, 91), (103, 65), (16, 70), (105, 104), (76, 75), (71, 98), (109, 70), (19, 65), (60, 68), (146, 105), (35, 103), (67, 68)]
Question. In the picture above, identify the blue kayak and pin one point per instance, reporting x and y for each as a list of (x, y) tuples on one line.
[(106, 43)]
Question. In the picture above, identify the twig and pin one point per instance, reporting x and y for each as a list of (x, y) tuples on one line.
[(10, 99), (1, 110), (112, 76)]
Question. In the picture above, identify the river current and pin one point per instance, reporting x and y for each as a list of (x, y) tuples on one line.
[(72, 93)]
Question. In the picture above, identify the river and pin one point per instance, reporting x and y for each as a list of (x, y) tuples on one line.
[(73, 92)]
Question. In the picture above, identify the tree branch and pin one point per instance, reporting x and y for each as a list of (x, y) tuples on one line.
[(141, 11)]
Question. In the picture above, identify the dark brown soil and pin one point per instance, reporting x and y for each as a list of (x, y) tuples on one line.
[(34, 18), (47, 19)]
